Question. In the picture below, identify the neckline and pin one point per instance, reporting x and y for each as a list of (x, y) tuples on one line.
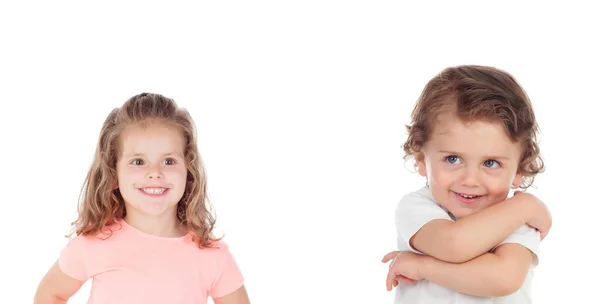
[(127, 226)]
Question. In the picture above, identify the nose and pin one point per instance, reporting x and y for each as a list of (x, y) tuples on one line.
[(471, 177), (154, 171)]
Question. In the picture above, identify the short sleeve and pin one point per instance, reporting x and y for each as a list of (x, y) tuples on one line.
[(228, 277), (414, 211), (71, 260), (527, 237)]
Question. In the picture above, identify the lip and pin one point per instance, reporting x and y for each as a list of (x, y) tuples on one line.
[(153, 186), (153, 195), (467, 201)]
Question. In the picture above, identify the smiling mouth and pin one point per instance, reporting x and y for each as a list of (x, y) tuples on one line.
[(467, 197), (154, 191)]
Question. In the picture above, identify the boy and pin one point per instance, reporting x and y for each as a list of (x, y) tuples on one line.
[(460, 240)]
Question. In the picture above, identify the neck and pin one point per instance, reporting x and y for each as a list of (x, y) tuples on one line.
[(166, 225)]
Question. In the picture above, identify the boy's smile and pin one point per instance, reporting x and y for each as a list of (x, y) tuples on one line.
[(469, 166)]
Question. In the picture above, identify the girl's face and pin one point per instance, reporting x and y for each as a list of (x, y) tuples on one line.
[(469, 166), (151, 170)]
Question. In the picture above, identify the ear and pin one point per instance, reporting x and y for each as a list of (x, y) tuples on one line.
[(420, 159), (518, 180)]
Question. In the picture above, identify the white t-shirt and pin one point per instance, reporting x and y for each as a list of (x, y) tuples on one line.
[(417, 209)]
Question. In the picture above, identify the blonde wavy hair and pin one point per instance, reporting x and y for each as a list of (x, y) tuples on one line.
[(101, 205)]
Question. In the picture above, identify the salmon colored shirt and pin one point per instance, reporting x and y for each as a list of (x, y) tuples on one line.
[(133, 267)]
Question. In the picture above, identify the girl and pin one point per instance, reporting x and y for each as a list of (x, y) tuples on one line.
[(473, 136), (144, 231)]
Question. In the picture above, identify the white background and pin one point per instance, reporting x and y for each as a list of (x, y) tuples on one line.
[(300, 109)]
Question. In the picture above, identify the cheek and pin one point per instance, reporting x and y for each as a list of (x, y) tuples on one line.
[(121, 176), (178, 175), (125, 176), (499, 186), (439, 174)]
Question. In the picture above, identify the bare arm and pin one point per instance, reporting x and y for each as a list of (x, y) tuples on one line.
[(490, 275), (56, 287), (240, 296), (476, 234)]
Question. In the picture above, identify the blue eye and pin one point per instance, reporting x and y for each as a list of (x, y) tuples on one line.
[(490, 163), (453, 159), (137, 162)]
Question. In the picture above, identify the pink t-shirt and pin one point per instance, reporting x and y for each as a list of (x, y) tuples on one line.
[(134, 267)]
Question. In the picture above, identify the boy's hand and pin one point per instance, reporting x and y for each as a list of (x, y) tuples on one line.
[(542, 220), (404, 268)]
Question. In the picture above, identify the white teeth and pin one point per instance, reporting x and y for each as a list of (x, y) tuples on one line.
[(467, 196), (154, 191)]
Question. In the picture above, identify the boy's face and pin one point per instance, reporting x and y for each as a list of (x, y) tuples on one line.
[(151, 169), (469, 166)]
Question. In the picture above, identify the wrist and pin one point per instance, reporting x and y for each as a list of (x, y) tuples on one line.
[(425, 265)]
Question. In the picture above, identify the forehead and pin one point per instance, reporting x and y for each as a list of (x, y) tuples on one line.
[(154, 137), (477, 138)]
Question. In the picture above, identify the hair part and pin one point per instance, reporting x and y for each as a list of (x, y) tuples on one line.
[(100, 202), (472, 93)]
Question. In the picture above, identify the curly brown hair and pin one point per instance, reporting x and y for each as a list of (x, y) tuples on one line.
[(475, 92), (101, 205)]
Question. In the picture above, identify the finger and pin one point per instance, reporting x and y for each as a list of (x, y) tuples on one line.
[(404, 280), (389, 256), (391, 278)]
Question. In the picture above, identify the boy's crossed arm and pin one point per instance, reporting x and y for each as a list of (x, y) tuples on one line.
[(490, 275), (458, 251), (478, 233)]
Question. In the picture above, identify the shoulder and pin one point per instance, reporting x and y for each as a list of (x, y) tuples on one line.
[(214, 253), (421, 199), (214, 259), (107, 235), (82, 241), (76, 256), (217, 250), (422, 195), (415, 210)]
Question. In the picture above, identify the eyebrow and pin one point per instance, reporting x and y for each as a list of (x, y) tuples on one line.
[(487, 157), (142, 154)]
